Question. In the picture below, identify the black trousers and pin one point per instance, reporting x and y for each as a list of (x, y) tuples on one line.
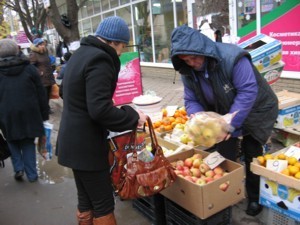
[(250, 148), (95, 192)]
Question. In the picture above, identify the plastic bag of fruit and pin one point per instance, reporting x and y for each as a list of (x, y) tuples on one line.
[(208, 128)]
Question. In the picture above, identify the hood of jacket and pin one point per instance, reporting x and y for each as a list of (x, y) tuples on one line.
[(13, 65), (188, 41)]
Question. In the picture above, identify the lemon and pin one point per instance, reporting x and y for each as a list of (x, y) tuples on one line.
[(292, 160)]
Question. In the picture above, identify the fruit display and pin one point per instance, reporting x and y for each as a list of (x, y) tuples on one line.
[(293, 165), (168, 122), (207, 128), (167, 152), (195, 170)]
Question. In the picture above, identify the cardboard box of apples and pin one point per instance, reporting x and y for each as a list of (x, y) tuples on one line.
[(206, 184)]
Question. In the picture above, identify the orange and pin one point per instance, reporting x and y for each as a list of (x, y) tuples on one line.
[(292, 160), (168, 127), (165, 112), (281, 156), (285, 172), (293, 170), (297, 175), (297, 164), (261, 160), (268, 156)]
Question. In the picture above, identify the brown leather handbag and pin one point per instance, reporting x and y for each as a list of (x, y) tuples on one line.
[(141, 179)]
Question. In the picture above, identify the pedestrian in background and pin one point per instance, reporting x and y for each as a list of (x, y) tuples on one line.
[(88, 113), (221, 78), (40, 59), (23, 108), (218, 36), (65, 60)]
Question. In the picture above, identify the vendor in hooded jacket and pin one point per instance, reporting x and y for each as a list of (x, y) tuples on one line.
[(221, 78)]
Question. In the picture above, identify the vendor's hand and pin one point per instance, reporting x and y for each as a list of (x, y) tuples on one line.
[(226, 138), (142, 119)]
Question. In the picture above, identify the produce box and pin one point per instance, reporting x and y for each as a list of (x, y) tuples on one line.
[(280, 198), (264, 50), (289, 109), (272, 73), (207, 200), (278, 191)]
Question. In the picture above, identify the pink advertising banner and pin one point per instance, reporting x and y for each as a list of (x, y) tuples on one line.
[(287, 29), (130, 82)]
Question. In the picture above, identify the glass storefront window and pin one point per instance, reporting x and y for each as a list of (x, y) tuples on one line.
[(105, 5), (142, 28), (246, 12), (163, 25), (181, 12), (210, 17), (125, 13), (114, 3), (86, 26), (95, 22), (97, 6), (124, 2)]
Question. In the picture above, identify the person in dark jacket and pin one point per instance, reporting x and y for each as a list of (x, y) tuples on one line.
[(88, 113), (65, 60), (23, 108), (221, 78), (40, 59)]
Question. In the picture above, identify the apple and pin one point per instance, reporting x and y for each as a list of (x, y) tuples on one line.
[(194, 179), (224, 186), (217, 176), (210, 173), (178, 172), (218, 170), (180, 162), (208, 179), (186, 172), (197, 156), (179, 126), (204, 167), (197, 162), (195, 172), (179, 167), (200, 181), (184, 139), (188, 162)]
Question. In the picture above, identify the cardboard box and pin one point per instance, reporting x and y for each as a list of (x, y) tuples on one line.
[(207, 200), (264, 50), (289, 109), (272, 73), (280, 198), (287, 99)]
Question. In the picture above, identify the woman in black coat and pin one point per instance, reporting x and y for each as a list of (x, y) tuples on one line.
[(88, 113), (23, 108)]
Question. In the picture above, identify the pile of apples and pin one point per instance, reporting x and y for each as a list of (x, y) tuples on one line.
[(206, 129), (293, 168), (195, 170)]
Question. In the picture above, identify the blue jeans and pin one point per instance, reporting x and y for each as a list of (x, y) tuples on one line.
[(23, 157)]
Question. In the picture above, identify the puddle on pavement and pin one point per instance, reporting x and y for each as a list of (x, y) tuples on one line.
[(50, 172)]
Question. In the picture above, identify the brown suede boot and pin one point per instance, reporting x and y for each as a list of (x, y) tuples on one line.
[(105, 220), (85, 218)]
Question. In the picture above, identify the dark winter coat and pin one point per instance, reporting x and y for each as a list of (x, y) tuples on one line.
[(40, 58), (88, 112), (221, 59), (23, 106)]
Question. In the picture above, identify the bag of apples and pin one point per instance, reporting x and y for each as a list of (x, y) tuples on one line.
[(208, 128)]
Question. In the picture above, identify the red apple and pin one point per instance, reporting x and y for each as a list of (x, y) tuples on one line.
[(217, 176), (218, 170), (189, 178), (210, 173), (204, 167), (186, 172), (179, 167), (180, 162), (194, 179), (197, 156), (224, 186), (195, 172), (188, 162), (196, 163), (208, 179)]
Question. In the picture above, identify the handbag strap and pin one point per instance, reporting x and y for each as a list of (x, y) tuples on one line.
[(154, 144)]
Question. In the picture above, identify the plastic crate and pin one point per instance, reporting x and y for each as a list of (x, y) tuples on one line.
[(276, 218), (176, 215), (153, 208)]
